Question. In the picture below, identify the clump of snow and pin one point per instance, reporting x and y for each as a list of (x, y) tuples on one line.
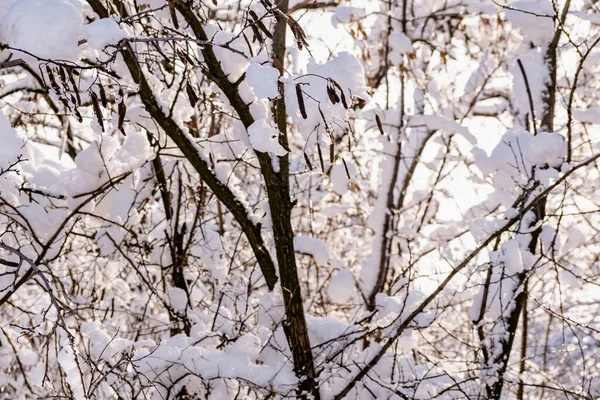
[(482, 228), (341, 287), (102, 32), (233, 64), (547, 148), (393, 309), (179, 299), (263, 80), (313, 246), (346, 70), (270, 309), (591, 115), (534, 18), (248, 345), (28, 357), (518, 151), (108, 157), (575, 238), (512, 257), (400, 43), (325, 329), (48, 29), (103, 346), (436, 122), (483, 161), (177, 357), (265, 138), (549, 237), (345, 14)]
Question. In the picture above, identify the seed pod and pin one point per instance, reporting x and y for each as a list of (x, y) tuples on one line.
[(173, 14), (344, 103), (343, 97), (379, 124), (75, 88), (301, 101), (260, 24), (346, 168), (96, 108), (256, 33), (283, 144), (331, 153), (122, 108), (65, 103), (307, 161), (185, 57), (77, 97), (77, 115), (333, 97), (321, 157), (102, 95), (191, 94), (62, 75), (181, 57), (297, 31), (52, 80)]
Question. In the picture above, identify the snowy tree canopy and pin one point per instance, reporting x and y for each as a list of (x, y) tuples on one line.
[(272, 199)]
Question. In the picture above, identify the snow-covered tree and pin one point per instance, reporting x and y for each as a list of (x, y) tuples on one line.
[(357, 199)]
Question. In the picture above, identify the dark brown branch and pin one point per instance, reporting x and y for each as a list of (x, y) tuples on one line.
[(190, 151)]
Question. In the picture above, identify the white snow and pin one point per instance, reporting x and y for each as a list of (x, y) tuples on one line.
[(265, 138), (533, 18), (66, 360), (248, 345), (547, 148), (344, 14), (36, 374), (400, 43), (341, 287), (548, 235), (313, 246), (102, 32), (263, 80), (483, 161), (575, 238), (436, 122), (339, 177), (233, 64), (591, 115), (48, 29), (512, 257), (178, 299), (103, 345)]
